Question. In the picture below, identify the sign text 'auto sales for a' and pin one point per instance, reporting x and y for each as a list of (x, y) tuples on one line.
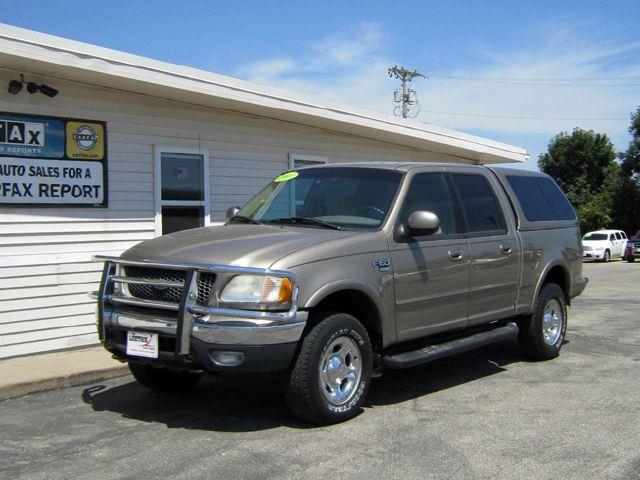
[(50, 161)]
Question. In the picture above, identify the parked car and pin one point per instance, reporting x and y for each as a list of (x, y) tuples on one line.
[(333, 274), (604, 245), (632, 249)]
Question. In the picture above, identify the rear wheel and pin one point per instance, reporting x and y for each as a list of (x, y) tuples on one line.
[(631, 259), (330, 378), (541, 335), (163, 379)]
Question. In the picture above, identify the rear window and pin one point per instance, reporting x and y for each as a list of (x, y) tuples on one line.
[(541, 199)]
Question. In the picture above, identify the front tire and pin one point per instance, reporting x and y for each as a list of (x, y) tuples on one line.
[(606, 258), (631, 259), (330, 378), (163, 379), (542, 334)]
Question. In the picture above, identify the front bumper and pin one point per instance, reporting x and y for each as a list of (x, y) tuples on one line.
[(635, 253), (264, 347), (593, 255), (191, 335)]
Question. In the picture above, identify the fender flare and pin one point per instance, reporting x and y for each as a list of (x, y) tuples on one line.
[(349, 284), (543, 276)]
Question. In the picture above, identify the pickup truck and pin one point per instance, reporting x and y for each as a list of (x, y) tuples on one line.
[(334, 274)]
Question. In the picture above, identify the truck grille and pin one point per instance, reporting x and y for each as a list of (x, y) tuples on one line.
[(167, 294)]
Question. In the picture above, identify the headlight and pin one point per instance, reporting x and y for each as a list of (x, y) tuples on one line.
[(257, 290)]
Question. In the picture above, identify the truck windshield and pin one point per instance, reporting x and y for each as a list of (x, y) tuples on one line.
[(330, 197), (595, 236)]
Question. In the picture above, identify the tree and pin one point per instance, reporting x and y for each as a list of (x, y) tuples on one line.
[(626, 205), (604, 192), (578, 162), (583, 164), (631, 158)]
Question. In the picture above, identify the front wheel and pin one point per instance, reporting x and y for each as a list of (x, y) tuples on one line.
[(606, 258), (330, 378), (631, 259), (541, 335), (163, 379)]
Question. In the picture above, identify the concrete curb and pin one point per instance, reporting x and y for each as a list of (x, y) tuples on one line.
[(62, 381)]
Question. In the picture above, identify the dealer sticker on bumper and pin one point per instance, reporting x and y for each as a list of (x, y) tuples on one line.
[(142, 344)]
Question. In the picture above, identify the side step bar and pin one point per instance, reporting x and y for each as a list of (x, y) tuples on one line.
[(453, 347)]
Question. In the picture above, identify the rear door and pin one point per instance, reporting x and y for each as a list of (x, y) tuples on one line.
[(493, 246), (618, 244)]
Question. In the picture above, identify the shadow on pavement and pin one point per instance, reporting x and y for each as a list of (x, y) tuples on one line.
[(255, 402)]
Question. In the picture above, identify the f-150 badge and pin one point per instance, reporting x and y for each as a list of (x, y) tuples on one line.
[(383, 265)]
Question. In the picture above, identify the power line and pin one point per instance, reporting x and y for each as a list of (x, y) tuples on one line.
[(466, 114), (548, 82)]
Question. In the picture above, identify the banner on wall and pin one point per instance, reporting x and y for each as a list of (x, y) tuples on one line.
[(51, 161)]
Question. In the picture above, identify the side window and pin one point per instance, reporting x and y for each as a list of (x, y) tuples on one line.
[(540, 198), (430, 191), (618, 236), (612, 237), (624, 235), (480, 205)]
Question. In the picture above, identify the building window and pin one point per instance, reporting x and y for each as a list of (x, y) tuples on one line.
[(299, 161), (181, 189)]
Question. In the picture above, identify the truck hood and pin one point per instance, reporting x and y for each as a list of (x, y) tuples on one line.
[(257, 246)]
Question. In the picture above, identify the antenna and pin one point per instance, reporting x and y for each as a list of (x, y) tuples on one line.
[(405, 98)]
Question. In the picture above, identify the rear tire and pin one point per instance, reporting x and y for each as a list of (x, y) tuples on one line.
[(163, 379), (330, 378), (542, 334), (631, 259)]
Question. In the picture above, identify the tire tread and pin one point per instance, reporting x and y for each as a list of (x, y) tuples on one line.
[(530, 335), (299, 386)]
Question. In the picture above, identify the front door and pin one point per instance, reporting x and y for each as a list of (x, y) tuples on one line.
[(493, 247), (431, 273)]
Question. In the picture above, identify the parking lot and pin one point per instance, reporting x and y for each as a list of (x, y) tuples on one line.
[(485, 414)]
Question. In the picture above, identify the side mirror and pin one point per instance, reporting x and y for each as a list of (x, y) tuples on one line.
[(232, 212), (422, 222)]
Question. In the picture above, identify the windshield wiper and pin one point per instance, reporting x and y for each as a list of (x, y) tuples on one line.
[(308, 221), (244, 219)]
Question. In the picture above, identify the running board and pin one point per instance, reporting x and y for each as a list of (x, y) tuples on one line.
[(453, 347)]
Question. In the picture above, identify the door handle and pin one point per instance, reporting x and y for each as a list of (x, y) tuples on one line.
[(455, 254), (506, 249)]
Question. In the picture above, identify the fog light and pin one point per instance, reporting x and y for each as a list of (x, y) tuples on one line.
[(227, 359)]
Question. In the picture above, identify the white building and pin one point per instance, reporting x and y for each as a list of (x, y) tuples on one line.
[(82, 172)]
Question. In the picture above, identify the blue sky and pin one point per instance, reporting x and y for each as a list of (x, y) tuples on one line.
[(510, 54)]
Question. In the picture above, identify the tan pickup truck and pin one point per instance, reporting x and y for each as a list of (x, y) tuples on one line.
[(334, 274)]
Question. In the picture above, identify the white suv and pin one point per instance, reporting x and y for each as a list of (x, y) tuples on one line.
[(604, 245)]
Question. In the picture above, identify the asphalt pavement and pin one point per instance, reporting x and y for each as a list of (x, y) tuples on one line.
[(484, 414)]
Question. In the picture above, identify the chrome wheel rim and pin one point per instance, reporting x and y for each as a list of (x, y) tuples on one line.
[(340, 370), (552, 322)]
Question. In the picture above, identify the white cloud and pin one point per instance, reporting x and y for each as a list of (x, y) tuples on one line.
[(352, 67)]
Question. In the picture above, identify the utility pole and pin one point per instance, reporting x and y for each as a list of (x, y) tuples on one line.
[(405, 98)]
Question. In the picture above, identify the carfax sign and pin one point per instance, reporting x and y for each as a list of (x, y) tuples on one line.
[(52, 161)]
